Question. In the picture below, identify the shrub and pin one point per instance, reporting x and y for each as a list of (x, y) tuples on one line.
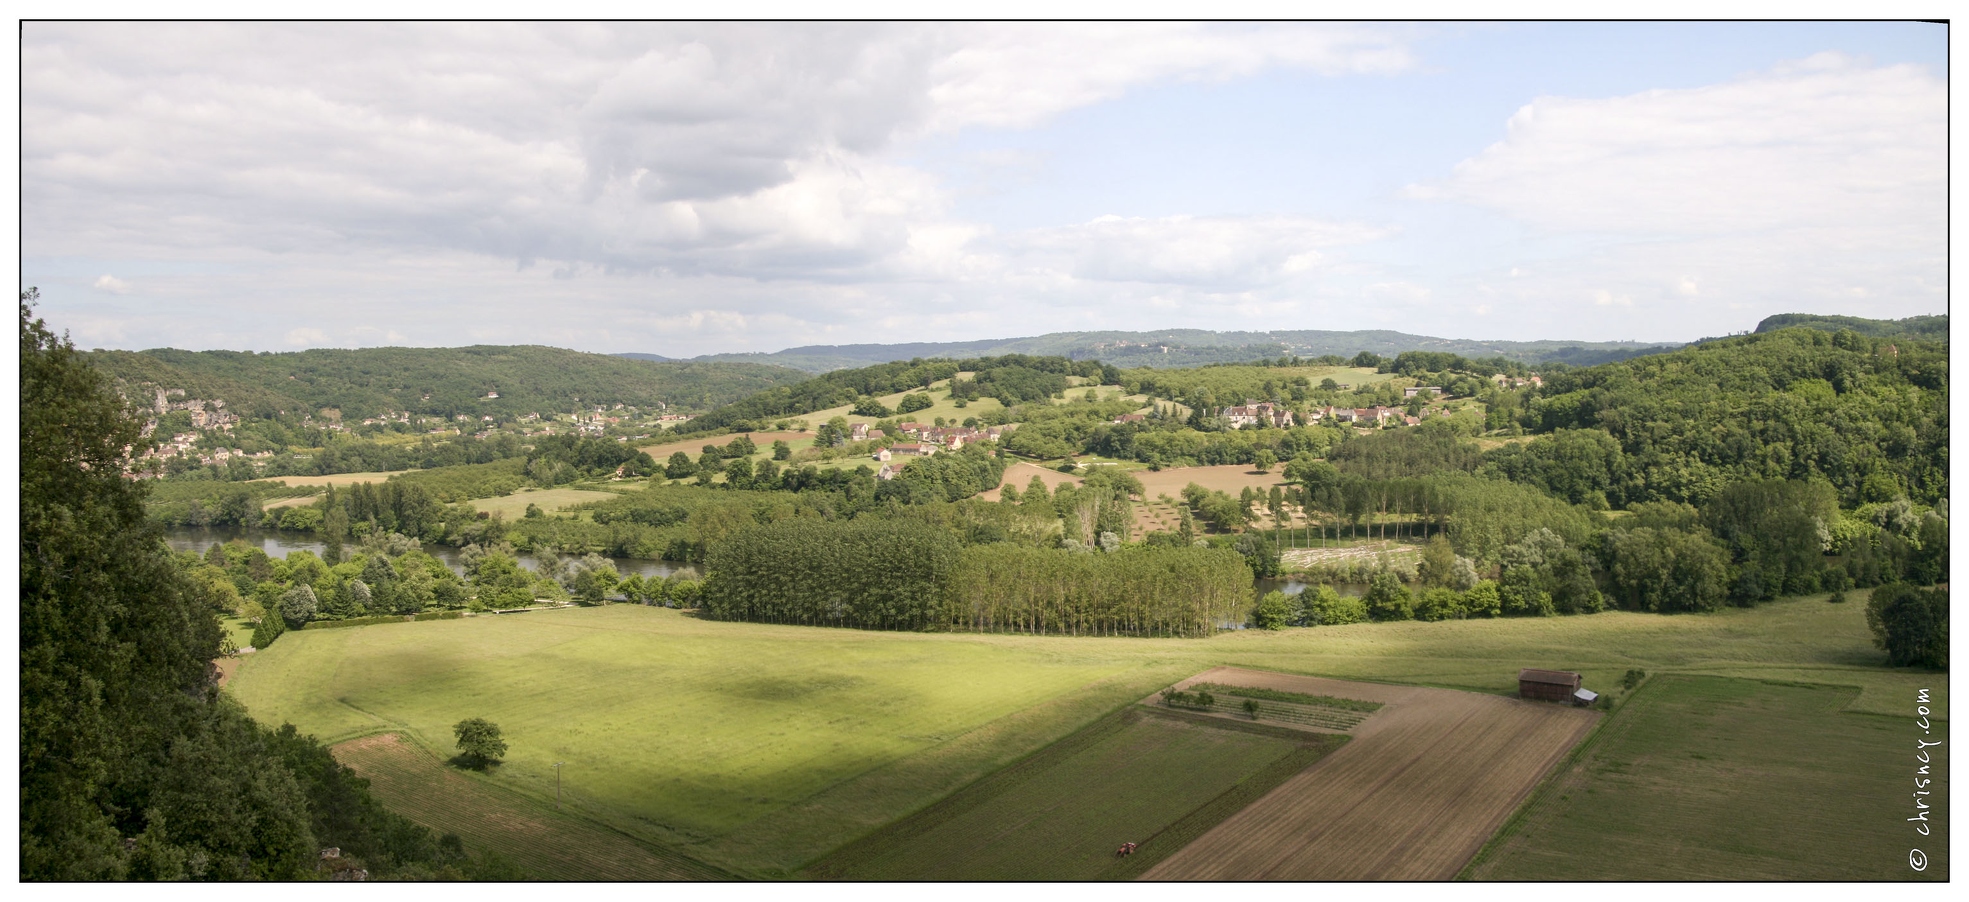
[(1273, 612), (1911, 624), (1388, 599), (1326, 607), (1633, 679)]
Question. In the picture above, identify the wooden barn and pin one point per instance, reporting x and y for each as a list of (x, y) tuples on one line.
[(1547, 685)]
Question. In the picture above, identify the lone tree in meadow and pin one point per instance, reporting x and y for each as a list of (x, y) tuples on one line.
[(478, 742)]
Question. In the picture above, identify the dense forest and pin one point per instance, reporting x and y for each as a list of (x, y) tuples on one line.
[(132, 765), (1011, 379), (437, 381)]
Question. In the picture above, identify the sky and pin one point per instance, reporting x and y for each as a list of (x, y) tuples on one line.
[(695, 188)]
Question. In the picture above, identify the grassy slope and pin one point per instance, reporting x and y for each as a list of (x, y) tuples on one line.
[(1135, 776), (514, 506), (1683, 784), (762, 748)]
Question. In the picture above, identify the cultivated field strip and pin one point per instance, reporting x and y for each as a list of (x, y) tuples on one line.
[(1423, 784), (548, 844), (1308, 715)]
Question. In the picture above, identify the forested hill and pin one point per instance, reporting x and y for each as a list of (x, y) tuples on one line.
[(1929, 327), (1867, 414), (1194, 347), (437, 381)]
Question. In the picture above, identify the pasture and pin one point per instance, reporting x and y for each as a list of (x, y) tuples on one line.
[(760, 749), (513, 506), (338, 480), (1712, 778), (763, 441), (550, 844), (297, 501), (1140, 775), (1424, 782)]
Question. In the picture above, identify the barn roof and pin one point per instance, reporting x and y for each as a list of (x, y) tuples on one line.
[(1559, 677)]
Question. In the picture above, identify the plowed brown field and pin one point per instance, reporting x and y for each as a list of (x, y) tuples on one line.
[(1423, 784), (550, 844)]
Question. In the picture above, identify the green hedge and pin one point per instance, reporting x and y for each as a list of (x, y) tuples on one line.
[(387, 618)]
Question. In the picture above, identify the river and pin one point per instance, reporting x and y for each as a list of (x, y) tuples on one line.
[(278, 544)]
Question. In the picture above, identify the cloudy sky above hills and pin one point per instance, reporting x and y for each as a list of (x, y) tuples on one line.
[(696, 188)]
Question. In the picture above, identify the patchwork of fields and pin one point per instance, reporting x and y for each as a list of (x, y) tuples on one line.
[(1423, 783), (1711, 778), (1152, 778), (764, 750)]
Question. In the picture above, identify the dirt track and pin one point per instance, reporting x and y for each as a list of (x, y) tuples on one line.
[(1423, 784)]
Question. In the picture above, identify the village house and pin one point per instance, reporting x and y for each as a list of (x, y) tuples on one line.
[(1129, 418), (883, 454), (914, 448), (910, 428), (1414, 390), (889, 471), (1255, 413), (858, 432)]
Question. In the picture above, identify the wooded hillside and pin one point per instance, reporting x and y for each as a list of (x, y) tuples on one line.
[(438, 381)]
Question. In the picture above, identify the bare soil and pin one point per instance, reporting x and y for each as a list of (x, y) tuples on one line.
[(1423, 784)]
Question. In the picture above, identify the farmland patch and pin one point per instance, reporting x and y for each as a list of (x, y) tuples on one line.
[(550, 844), (1424, 782), (1712, 778), (1139, 776)]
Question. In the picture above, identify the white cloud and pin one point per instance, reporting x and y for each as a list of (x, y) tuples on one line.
[(736, 148), (1018, 74), (111, 284), (1782, 189), (306, 337), (1209, 253), (1824, 143)]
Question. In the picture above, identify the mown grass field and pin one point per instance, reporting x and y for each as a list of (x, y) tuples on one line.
[(550, 844), (1139, 775), (761, 749), (513, 506), (1712, 778)]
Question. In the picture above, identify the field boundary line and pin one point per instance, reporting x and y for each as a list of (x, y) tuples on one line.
[(1515, 823), (525, 801), (964, 798)]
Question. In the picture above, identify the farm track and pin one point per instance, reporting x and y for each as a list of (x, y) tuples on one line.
[(549, 844), (1425, 781)]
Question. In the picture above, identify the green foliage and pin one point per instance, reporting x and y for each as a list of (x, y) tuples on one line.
[(1323, 606), (479, 744), (1396, 453), (1439, 604), (1777, 532), (1910, 624), (1005, 587), (914, 402), (1665, 570), (1926, 327), (879, 574), (131, 764), (1387, 599), (1275, 611), (1796, 404), (1632, 679), (366, 382)]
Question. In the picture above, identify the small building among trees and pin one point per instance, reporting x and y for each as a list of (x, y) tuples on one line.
[(1547, 685)]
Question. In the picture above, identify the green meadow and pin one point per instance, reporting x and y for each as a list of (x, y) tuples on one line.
[(761, 749), (1688, 783)]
